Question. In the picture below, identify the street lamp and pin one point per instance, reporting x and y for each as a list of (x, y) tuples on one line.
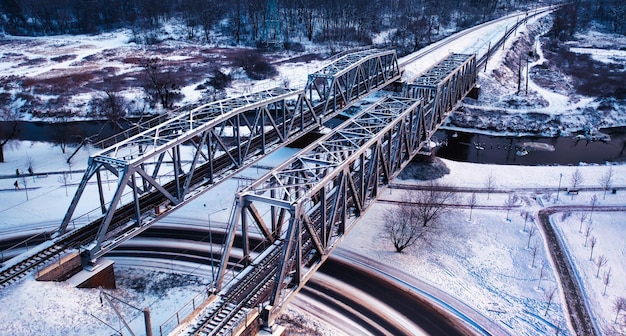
[(557, 191), (211, 241)]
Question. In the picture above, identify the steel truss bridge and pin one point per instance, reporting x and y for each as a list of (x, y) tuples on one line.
[(226, 136), (301, 210)]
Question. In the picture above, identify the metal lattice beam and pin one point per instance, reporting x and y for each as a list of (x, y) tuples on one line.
[(152, 171), (311, 201), (445, 84), (174, 162), (316, 196), (353, 77)]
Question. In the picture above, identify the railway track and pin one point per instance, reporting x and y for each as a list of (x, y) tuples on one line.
[(222, 313)]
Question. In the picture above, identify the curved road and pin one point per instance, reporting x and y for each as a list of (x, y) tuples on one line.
[(422, 314), (578, 311)]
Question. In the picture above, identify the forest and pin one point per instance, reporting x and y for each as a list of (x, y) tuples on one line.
[(241, 22)]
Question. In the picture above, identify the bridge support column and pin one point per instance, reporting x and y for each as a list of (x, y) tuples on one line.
[(102, 274)]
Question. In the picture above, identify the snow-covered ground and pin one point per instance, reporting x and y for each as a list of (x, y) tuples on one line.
[(485, 262)]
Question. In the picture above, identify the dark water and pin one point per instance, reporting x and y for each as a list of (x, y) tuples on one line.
[(463, 147), (70, 132), (504, 150)]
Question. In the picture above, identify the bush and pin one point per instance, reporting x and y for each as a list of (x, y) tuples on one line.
[(256, 66)]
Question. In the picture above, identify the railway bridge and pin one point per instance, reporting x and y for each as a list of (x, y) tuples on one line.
[(301, 209)]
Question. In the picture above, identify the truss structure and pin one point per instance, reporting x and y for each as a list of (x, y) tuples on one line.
[(304, 207), (310, 202), (352, 77), (445, 84), (155, 173), (160, 169)]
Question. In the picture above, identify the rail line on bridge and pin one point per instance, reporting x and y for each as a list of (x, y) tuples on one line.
[(304, 207), (226, 136)]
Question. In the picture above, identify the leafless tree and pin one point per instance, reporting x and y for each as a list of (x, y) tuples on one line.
[(432, 203), (510, 202), (111, 106), (541, 273), (619, 304), (490, 184), (10, 118), (606, 181), (527, 216), (533, 252), (401, 227), (594, 202), (532, 230), (592, 244), (472, 203), (606, 279), (588, 231), (583, 216), (601, 260), (31, 164), (420, 210), (549, 295), (160, 85), (25, 183), (576, 179), (64, 179)]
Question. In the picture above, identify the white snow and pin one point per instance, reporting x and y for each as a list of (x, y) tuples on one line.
[(484, 262)]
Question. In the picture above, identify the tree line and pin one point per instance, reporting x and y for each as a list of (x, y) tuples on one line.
[(242, 20), (415, 22)]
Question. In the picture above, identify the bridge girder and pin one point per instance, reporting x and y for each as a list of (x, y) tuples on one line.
[(352, 77), (175, 161), (445, 84), (152, 170), (312, 200)]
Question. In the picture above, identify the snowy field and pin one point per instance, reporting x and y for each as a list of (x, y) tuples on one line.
[(486, 262)]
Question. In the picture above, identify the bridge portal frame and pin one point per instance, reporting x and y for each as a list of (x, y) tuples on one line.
[(272, 119), (224, 135), (351, 77), (445, 84), (312, 200)]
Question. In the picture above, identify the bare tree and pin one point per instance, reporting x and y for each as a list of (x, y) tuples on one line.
[(594, 202), (588, 231), (10, 118), (70, 163), (576, 179), (420, 210), (533, 252), (601, 260), (432, 203), (606, 181), (510, 202), (592, 243), (111, 106), (619, 304), (549, 295), (160, 85), (401, 227), (472, 203), (532, 230), (527, 216), (64, 179), (31, 164), (490, 184), (541, 273), (606, 279), (583, 216)]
